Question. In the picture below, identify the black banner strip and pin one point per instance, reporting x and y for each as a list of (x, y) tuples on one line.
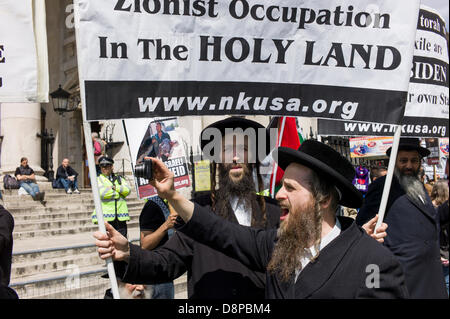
[(429, 71), (107, 100), (411, 126), (428, 21)]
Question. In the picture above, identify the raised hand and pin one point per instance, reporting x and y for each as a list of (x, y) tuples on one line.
[(162, 179)]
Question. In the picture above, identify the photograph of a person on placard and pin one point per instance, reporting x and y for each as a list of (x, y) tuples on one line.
[(157, 142)]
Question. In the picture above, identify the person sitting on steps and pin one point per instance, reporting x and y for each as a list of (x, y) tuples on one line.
[(27, 180), (67, 176)]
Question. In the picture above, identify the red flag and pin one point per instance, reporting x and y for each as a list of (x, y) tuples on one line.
[(288, 136)]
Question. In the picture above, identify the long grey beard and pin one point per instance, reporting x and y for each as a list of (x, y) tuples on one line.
[(413, 187), (125, 294)]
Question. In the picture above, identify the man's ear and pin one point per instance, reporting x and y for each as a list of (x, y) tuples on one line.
[(326, 202)]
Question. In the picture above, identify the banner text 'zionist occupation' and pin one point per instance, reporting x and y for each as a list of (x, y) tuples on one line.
[(347, 60)]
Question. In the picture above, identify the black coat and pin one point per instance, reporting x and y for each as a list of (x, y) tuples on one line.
[(412, 236), (211, 274), (444, 221), (340, 271), (63, 173), (6, 247)]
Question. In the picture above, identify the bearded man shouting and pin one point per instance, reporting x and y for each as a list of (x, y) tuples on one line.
[(413, 234), (211, 274), (313, 254)]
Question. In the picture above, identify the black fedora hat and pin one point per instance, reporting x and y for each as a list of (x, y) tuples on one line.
[(410, 144), (236, 122), (328, 164)]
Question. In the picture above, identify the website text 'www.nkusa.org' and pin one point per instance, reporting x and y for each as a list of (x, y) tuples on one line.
[(332, 108), (389, 129)]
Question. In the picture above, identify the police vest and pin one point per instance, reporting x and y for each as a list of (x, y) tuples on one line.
[(113, 201)]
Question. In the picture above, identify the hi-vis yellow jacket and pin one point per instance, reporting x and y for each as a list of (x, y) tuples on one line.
[(113, 201)]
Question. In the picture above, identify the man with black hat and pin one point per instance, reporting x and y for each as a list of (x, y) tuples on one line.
[(212, 274), (313, 254), (413, 234), (113, 190)]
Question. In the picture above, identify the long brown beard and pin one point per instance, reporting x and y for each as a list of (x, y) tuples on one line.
[(244, 189), (300, 231), (228, 186)]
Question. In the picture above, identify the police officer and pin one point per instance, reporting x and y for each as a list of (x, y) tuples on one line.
[(113, 190)]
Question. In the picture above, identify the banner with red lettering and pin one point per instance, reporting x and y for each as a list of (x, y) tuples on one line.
[(161, 138)]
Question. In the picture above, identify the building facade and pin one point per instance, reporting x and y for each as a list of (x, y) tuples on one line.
[(45, 137)]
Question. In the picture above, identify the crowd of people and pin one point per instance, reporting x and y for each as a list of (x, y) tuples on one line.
[(234, 242)]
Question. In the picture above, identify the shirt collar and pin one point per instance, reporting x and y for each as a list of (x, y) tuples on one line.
[(328, 237)]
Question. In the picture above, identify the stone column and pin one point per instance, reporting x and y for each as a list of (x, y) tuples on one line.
[(20, 122)]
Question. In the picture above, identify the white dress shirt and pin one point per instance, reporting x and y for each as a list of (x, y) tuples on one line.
[(241, 210), (311, 251)]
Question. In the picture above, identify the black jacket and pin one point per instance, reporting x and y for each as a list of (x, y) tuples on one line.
[(341, 270), (412, 236), (6, 247), (443, 217), (63, 173), (211, 274)]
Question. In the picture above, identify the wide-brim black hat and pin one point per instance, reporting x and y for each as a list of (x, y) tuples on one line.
[(328, 164), (410, 144), (236, 122)]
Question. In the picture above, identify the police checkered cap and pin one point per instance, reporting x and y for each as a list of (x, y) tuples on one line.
[(104, 160)]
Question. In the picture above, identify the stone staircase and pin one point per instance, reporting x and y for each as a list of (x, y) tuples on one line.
[(54, 255)]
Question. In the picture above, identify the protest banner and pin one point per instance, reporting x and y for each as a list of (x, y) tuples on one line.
[(176, 58), (23, 52), (369, 146), (161, 138), (432, 144), (443, 147), (428, 94), (434, 165), (427, 105), (317, 59)]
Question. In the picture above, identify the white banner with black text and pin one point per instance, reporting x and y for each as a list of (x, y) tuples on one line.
[(348, 60)]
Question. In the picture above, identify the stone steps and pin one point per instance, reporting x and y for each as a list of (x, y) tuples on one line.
[(89, 228), (60, 206), (27, 269), (53, 240), (64, 215), (45, 284), (43, 255), (46, 224), (90, 286), (83, 197), (64, 284), (32, 263)]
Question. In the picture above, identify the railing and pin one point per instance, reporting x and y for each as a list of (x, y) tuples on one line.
[(73, 284)]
